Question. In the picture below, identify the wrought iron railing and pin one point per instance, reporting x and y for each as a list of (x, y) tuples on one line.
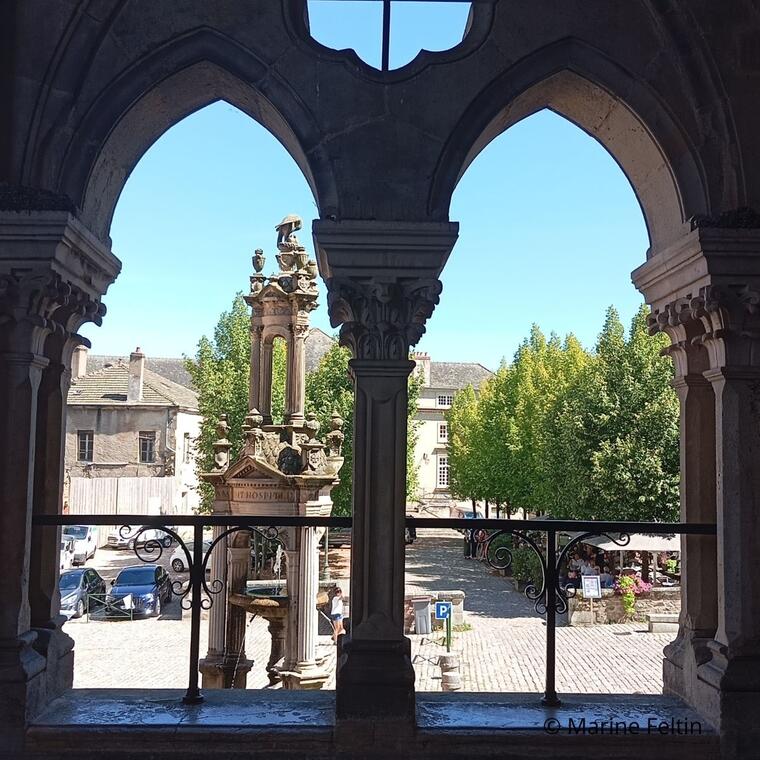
[(548, 595), (196, 593)]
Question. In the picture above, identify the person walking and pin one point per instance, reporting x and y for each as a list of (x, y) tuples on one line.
[(336, 614)]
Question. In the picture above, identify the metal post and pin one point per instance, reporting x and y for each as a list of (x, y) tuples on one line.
[(448, 631), (193, 695), (386, 51), (550, 698)]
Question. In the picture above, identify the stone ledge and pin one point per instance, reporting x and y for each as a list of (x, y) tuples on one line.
[(281, 724)]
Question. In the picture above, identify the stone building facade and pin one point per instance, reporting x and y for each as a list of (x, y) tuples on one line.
[(126, 421), (440, 382)]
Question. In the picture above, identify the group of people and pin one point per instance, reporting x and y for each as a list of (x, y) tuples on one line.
[(588, 560)]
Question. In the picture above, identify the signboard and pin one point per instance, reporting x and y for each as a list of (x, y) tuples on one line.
[(592, 587), (442, 610)]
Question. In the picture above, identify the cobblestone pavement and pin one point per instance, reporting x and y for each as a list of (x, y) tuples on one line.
[(502, 651), (505, 648)]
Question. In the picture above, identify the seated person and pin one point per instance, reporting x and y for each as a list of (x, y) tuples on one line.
[(606, 579)]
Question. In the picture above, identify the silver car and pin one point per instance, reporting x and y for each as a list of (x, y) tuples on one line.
[(125, 539)]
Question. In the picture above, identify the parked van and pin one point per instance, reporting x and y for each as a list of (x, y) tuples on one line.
[(85, 538)]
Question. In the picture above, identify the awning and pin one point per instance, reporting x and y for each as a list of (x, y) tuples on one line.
[(639, 542)]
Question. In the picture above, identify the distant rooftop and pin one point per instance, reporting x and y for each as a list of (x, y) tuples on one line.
[(457, 375), (108, 386)]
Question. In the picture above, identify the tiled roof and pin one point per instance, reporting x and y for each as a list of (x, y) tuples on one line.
[(457, 375), (108, 387), (167, 366)]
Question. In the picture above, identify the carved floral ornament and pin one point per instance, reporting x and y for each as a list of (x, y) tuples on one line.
[(42, 299), (724, 319), (381, 320)]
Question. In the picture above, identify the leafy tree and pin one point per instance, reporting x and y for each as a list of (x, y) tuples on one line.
[(329, 389), (220, 373), (616, 431)]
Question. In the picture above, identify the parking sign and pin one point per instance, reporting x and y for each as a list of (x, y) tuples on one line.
[(442, 610)]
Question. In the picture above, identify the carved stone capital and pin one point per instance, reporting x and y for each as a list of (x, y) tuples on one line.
[(381, 320), (722, 320), (53, 273)]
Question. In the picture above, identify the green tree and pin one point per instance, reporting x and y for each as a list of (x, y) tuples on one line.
[(616, 431), (329, 389), (220, 374)]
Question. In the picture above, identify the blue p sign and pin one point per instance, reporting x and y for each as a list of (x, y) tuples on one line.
[(442, 610)]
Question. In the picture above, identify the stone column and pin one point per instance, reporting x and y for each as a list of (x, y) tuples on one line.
[(236, 666), (292, 572), (254, 393), (699, 572), (211, 665), (296, 374), (52, 275), (382, 287), (307, 674), (265, 382)]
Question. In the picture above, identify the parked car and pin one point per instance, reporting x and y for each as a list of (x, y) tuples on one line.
[(76, 588), (67, 553), (85, 541), (179, 560), (144, 589), (118, 539)]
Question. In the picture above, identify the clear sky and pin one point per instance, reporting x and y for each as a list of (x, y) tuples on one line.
[(550, 228)]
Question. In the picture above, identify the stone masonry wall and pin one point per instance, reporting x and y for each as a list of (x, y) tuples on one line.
[(609, 609)]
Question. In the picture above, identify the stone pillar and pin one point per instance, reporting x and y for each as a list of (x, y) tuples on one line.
[(265, 383), (211, 665), (306, 674), (382, 287), (52, 275), (235, 666), (292, 571), (254, 393), (296, 374), (699, 572)]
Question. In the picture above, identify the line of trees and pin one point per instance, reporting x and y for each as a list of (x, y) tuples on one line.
[(220, 374), (573, 434)]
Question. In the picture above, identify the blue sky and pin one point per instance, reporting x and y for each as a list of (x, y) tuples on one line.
[(550, 227)]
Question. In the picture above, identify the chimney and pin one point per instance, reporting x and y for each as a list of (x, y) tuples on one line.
[(79, 362), (136, 371), (422, 362)]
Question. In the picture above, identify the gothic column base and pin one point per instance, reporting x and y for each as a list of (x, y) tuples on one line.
[(57, 647), (306, 675), (224, 673), (683, 658), (22, 688), (375, 681)]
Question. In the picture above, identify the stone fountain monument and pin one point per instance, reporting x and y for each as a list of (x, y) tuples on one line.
[(282, 469)]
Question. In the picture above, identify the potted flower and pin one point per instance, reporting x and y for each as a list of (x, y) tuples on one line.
[(629, 587)]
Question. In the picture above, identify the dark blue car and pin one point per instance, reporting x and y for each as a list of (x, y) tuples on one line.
[(143, 589)]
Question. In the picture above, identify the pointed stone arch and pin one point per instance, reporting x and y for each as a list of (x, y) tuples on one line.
[(148, 98), (581, 84)]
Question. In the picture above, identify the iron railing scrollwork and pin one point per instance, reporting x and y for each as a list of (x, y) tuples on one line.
[(196, 593), (547, 593)]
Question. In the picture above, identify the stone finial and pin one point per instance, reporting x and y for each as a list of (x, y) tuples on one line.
[(222, 445), (258, 260), (334, 439), (286, 239), (311, 425), (252, 432)]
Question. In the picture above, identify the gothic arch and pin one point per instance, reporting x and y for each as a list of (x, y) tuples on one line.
[(148, 98), (584, 86)]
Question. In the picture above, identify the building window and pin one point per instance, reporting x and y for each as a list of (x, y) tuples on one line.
[(445, 400), (147, 446), (443, 432), (443, 472), (85, 445), (186, 449)]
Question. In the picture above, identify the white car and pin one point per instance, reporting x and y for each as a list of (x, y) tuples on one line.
[(118, 539), (67, 553), (85, 541), (179, 560)]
